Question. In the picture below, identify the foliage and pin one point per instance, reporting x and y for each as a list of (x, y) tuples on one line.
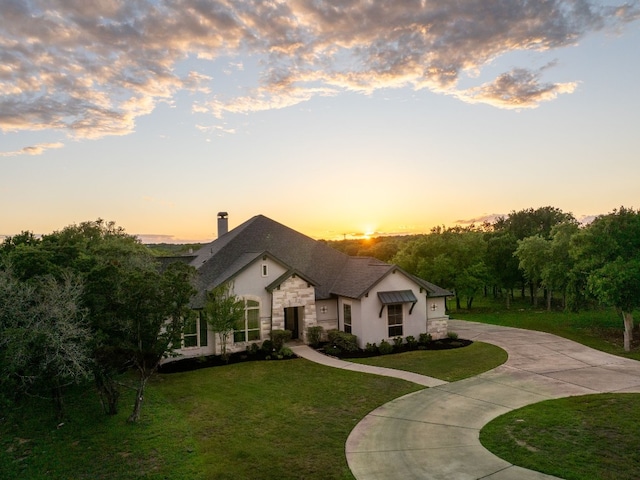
[(371, 348), (385, 348), (314, 335), (609, 252), (346, 342), (267, 347), (133, 309), (44, 338), (452, 335), (412, 343), (224, 310), (451, 258), (424, 338), (397, 342), (279, 338), (285, 352)]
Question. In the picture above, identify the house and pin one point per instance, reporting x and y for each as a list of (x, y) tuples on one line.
[(291, 281)]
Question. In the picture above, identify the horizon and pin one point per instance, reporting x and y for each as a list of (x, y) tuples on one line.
[(333, 119)]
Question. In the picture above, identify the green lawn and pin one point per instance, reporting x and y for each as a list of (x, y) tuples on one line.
[(448, 365), (269, 420), (576, 438)]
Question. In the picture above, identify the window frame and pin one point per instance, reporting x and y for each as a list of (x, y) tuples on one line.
[(246, 334), (198, 333), (395, 314), (347, 326)]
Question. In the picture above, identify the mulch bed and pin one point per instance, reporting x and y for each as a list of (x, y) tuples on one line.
[(442, 344), (188, 364)]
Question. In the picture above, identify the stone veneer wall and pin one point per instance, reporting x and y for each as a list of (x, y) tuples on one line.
[(437, 327), (294, 292)]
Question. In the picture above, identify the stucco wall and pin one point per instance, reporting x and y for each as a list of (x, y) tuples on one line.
[(327, 314), (370, 327)]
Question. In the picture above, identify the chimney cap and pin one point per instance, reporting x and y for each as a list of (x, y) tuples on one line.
[(222, 214)]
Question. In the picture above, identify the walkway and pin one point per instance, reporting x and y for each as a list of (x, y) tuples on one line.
[(433, 433), (309, 353)]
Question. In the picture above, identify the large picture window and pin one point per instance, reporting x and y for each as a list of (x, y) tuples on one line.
[(394, 314), (346, 309), (194, 333), (248, 329)]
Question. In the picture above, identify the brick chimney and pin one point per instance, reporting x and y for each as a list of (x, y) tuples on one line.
[(223, 223)]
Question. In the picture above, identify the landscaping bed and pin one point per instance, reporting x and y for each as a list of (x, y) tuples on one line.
[(442, 344)]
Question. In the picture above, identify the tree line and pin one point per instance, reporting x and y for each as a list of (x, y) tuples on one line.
[(531, 250)]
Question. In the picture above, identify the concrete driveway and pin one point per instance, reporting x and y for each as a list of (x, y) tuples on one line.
[(434, 433)]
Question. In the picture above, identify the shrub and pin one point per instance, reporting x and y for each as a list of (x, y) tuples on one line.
[(332, 350), (314, 335), (346, 342), (371, 348), (279, 338), (385, 348), (424, 338), (253, 348), (285, 352), (412, 343), (452, 335), (397, 342), (267, 347)]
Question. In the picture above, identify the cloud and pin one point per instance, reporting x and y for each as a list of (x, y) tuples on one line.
[(38, 149), (482, 219), (90, 69)]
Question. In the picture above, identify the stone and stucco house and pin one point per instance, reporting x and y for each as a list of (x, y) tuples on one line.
[(290, 281)]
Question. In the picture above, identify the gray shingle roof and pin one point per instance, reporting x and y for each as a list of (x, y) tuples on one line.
[(332, 272)]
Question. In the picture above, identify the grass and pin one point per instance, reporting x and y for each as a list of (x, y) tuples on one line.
[(575, 438), (448, 365), (269, 420), (601, 329)]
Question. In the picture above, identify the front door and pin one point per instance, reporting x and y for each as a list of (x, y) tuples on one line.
[(292, 316)]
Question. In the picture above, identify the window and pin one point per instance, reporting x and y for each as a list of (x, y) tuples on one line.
[(265, 270), (346, 308), (394, 314), (248, 329), (194, 333)]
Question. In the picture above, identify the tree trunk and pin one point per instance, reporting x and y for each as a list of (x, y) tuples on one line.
[(137, 406), (458, 303), (469, 302), (549, 300), (534, 295), (108, 392), (627, 317), (508, 299), (58, 401)]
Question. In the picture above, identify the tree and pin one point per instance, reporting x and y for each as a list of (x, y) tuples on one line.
[(154, 310), (501, 262), (452, 258), (44, 339), (608, 254), (135, 310), (556, 276), (533, 255), (224, 312)]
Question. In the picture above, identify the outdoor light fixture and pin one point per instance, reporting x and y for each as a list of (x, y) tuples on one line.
[(434, 307)]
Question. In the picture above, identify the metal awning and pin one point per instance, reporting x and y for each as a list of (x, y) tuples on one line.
[(395, 297)]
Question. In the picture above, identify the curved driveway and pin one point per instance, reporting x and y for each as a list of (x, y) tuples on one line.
[(434, 433)]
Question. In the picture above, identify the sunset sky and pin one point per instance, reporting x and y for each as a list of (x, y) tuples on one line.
[(333, 117)]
